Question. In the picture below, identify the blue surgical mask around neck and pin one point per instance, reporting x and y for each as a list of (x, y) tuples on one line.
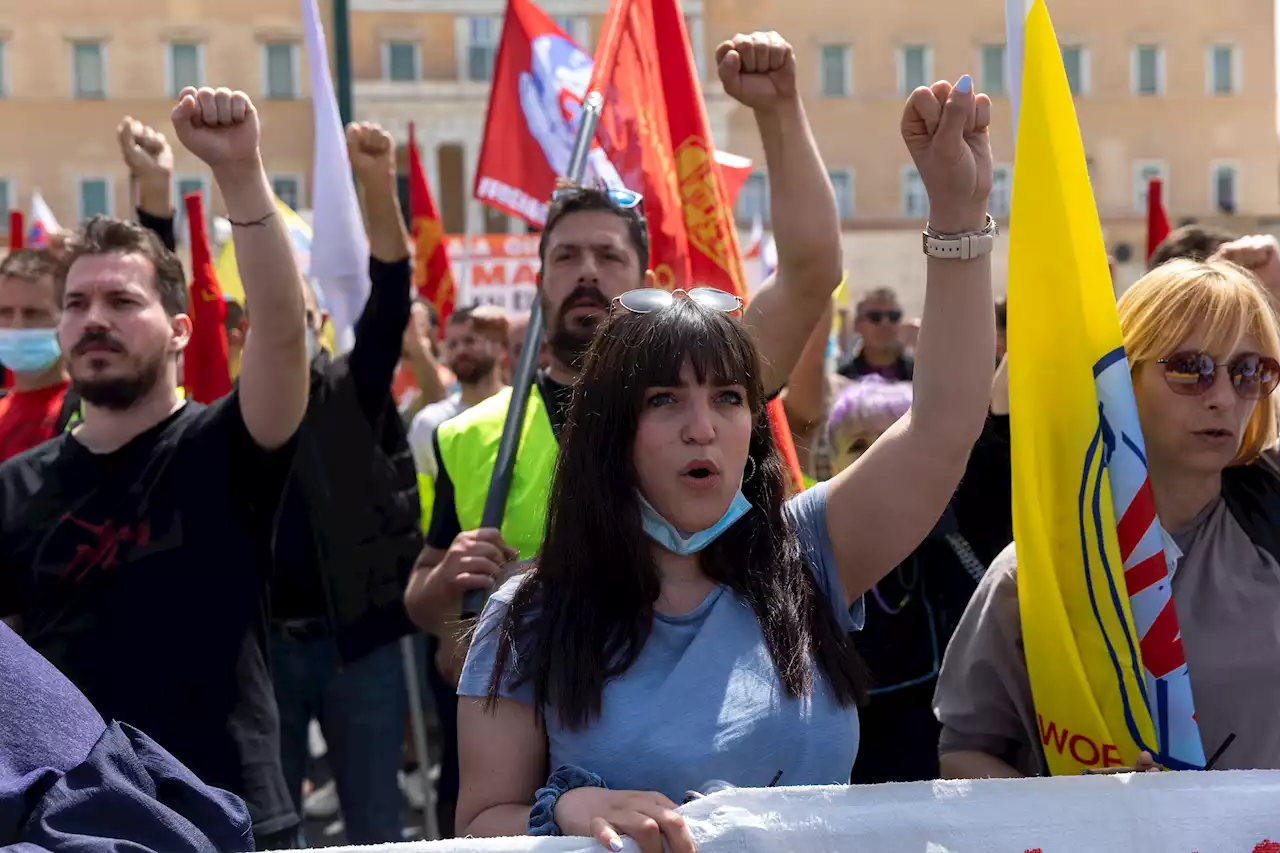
[(665, 534), (313, 345), (29, 350)]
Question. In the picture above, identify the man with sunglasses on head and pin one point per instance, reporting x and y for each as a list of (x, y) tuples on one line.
[(878, 323), (595, 247)]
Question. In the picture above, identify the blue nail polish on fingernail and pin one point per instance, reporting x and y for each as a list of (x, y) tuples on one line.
[(615, 845), (964, 84)]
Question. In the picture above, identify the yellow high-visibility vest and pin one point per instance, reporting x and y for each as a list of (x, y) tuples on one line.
[(468, 451)]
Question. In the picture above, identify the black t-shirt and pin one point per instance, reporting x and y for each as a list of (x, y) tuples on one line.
[(444, 512), (140, 573)]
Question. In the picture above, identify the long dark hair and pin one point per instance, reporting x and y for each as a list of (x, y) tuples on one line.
[(583, 613)]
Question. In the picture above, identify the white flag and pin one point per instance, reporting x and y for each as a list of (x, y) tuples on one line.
[(43, 222), (339, 247)]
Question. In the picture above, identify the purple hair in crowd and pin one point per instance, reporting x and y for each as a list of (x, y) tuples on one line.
[(868, 398)]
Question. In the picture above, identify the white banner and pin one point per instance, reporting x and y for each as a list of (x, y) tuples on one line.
[(495, 269), (1189, 812)]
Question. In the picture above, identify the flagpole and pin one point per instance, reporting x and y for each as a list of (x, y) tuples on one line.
[(495, 503)]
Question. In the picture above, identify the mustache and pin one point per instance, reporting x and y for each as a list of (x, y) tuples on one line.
[(99, 339), (583, 293)]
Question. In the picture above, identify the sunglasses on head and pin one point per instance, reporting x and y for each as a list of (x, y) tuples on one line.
[(652, 299), (878, 317), (623, 199), (1252, 376)]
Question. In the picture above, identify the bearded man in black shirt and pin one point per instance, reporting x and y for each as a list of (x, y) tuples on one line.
[(133, 550)]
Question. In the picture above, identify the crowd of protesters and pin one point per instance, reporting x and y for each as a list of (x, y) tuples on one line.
[(188, 588)]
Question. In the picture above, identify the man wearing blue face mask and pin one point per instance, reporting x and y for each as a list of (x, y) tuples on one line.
[(30, 412)]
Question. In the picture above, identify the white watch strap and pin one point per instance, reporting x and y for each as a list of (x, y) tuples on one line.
[(962, 247)]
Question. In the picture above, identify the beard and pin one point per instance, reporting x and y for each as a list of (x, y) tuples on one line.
[(119, 393), (569, 342), (473, 370)]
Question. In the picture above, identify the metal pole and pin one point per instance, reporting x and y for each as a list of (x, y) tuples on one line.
[(342, 59), (495, 502), (417, 720)]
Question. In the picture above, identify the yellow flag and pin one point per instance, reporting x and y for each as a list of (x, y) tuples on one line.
[(1078, 462)]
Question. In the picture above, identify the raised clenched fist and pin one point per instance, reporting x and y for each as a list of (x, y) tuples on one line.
[(146, 151), (219, 126), (372, 152), (757, 70), (945, 129)]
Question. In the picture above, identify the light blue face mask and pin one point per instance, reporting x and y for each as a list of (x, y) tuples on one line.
[(665, 534), (29, 350), (313, 345)]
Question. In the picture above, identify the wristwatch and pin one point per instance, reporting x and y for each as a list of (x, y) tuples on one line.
[(961, 247)]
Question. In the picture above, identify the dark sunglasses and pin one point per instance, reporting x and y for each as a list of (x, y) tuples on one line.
[(652, 299), (1253, 376), (879, 317), (623, 199)]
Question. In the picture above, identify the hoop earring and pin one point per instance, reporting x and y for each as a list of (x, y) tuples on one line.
[(752, 472)]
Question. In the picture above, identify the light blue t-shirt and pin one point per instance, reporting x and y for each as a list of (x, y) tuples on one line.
[(703, 700)]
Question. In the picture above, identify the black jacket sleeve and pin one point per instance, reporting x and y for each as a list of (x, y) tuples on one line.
[(162, 226), (379, 334)]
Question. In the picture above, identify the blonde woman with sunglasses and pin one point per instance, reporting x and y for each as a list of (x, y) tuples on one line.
[(685, 626), (1203, 346)]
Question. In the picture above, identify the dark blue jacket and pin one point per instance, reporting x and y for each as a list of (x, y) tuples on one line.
[(71, 783)]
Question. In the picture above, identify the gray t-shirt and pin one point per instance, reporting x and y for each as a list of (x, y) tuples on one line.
[(1227, 594), (703, 700)]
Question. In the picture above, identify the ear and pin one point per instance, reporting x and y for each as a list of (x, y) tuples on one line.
[(650, 278), (235, 336), (179, 331)]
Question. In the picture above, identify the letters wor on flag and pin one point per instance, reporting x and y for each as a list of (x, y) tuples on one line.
[(1084, 520), (432, 275)]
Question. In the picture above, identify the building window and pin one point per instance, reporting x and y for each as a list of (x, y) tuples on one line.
[(1148, 70), (914, 71), (837, 71), (280, 70), (4, 74), (185, 67), (1144, 173), (753, 201), (401, 61), (89, 69), (94, 197), (482, 48), (288, 188), (915, 200), (1223, 190), (993, 70), (1075, 59), (842, 183), (1223, 69), (5, 206), (1000, 202)]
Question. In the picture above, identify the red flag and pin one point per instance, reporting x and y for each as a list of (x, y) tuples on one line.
[(540, 78), (206, 371), (431, 273), (1157, 220), (636, 131), (16, 230)]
